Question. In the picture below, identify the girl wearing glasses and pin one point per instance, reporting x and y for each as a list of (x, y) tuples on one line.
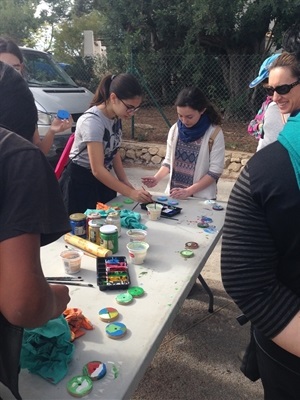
[(193, 166), (260, 255), (95, 151)]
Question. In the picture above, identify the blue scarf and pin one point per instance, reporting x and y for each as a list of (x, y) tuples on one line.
[(289, 137), (194, 133)]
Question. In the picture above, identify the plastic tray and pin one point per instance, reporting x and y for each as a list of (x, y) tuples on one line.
[(112, 273), (167, 211)]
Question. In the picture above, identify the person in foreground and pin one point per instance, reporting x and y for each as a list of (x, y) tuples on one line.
[(95, 151), (193, 167), (31, 214), (12, 55), (260, 258)]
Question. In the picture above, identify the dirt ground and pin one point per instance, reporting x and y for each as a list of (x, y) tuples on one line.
[(150, 126)]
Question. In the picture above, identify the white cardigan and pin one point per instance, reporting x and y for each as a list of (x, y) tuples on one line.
[(213, 162)]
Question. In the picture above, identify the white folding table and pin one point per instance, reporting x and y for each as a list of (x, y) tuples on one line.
[(166, 276)]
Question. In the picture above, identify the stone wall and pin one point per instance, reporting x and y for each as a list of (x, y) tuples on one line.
[(151, 155)]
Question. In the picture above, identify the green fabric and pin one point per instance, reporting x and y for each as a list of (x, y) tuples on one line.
[(289, 137), (102, 213), (47, 350), (131, 220)]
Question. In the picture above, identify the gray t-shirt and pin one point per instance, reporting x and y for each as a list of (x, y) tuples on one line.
[(94, 126)]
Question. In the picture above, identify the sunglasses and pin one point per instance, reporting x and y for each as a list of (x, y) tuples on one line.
[(130, 109), (282, 89)]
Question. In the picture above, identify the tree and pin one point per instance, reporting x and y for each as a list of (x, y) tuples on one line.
[(239, 28), (19, 20), (68, 48), (69, 35), (82, 7), (18, 25), (53, 13), (228, 30)]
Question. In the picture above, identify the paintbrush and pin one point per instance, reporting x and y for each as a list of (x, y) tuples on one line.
[(135, 206), (164, 216), (72, 283), (148, 193), (63, 278)]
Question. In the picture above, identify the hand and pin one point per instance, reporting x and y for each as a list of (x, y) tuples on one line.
[(180, 193), (150, 181), (142, 196), (61, 125), (62, 298)]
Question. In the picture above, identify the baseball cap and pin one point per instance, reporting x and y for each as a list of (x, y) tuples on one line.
[(264, 70)]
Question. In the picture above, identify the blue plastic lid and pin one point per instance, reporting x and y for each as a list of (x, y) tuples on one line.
[(63, 114)]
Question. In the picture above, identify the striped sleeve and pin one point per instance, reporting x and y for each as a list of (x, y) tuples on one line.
[(248, 263)]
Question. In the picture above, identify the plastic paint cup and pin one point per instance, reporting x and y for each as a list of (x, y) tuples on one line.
[(71, 260), (137, 251), (154, 211), (137, 235)]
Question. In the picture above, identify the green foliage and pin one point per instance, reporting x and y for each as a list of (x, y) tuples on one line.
[(87, 71), (172, 37), (168, 40), (69, 37), (55, 11), (82, 7), (17, 19)]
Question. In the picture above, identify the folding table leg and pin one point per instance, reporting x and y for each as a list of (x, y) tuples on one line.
[(209, 292)]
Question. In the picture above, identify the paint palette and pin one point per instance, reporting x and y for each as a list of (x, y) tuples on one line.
[(167, 210), (112, 273)]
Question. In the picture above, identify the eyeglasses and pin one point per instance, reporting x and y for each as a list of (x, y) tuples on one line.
[(130, 109), (282, 89)]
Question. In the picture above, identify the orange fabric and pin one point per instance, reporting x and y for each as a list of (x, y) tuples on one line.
[(76, 320), (102, 206)]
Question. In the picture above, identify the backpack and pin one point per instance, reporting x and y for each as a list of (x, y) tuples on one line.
[(256, 125), (212, 138)]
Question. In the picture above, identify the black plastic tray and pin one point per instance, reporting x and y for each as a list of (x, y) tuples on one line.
[(167, 211), (112, 273)]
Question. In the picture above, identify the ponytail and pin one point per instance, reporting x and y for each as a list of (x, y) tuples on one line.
[(125, 86)]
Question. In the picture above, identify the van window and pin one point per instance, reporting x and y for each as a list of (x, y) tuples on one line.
[(53, 90), (41, 70)]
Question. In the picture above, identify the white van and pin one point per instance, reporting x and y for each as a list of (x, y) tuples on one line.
[(53, 90)]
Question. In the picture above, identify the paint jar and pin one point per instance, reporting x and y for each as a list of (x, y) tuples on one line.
[(71, 260), (137, 251), (78, 224), (90, 217), (137, 235), (109, 238), (94, 230), (154, 211), (113, 218)]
